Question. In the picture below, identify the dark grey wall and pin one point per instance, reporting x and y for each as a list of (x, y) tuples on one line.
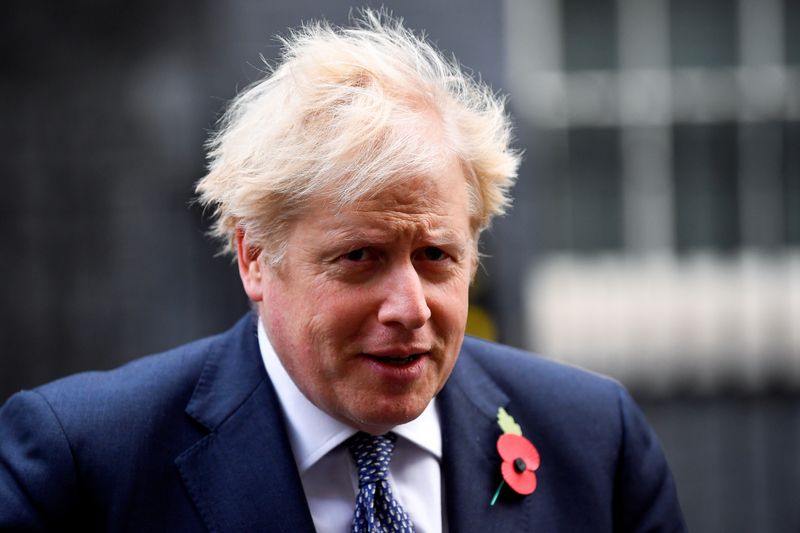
[(105, 107)]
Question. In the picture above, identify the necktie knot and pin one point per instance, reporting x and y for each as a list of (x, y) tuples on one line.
[(372, 455)]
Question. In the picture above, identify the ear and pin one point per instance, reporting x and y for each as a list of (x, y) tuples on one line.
[(251, 269)]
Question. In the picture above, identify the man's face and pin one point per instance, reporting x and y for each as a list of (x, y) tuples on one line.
[(367, 309)]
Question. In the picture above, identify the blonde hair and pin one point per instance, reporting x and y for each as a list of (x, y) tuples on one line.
[(344, 115)]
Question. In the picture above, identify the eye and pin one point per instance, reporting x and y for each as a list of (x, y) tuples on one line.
[(357, 255), (432, 253)]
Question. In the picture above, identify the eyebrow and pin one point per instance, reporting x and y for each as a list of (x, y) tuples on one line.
[(440, 237)]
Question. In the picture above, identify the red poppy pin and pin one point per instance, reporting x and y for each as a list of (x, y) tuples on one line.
[(520, 457)]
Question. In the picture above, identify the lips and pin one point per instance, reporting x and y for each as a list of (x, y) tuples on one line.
[(397, 370), (400, 356), (395, 360)]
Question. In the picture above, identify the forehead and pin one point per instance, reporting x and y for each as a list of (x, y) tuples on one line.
[(418, 204), (413, 196)]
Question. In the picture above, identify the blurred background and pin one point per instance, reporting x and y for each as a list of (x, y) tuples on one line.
[(655, 235)]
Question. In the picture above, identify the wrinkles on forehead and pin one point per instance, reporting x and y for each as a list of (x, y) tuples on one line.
[(412, 196), (414, 210), (420, 207), (422, 199)]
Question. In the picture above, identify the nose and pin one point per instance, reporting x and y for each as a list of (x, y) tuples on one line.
[(404, 300)]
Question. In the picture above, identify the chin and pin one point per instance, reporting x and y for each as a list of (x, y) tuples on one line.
[(379, 421)]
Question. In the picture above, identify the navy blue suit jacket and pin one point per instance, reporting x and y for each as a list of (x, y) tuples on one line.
[(194, 440)]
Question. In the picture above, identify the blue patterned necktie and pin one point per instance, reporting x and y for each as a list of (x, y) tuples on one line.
[(376, 509)]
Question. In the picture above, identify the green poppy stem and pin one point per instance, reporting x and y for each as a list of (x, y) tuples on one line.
[(497, 493)]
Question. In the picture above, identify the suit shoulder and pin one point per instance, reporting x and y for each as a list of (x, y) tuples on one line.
[(557, 391), (512, 366), (139, 392), (140, 376), (588, 431)]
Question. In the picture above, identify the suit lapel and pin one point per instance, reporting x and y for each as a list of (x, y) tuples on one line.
[(242, 475), (471, 465)]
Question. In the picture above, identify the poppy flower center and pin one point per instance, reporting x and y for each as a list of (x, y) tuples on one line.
[(519, 465)]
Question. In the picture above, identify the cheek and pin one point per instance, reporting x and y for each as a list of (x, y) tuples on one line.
[(323, 321), (452, 299), (343, 309), (286, 316), (278, 324)]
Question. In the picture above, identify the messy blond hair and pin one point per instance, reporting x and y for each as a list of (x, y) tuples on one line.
[(343, 115)]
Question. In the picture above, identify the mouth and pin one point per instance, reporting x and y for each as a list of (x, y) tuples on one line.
[(395, 360), (398, 367)]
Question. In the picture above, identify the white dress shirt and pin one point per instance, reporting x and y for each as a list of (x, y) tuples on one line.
[(328, 472)]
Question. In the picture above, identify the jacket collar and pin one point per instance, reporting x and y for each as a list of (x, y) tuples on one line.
[(468, 406), (241, 475)]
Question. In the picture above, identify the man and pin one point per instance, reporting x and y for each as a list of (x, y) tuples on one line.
[(352, 185)]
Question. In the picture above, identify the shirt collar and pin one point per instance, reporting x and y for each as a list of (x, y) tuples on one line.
[(313, 432)]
